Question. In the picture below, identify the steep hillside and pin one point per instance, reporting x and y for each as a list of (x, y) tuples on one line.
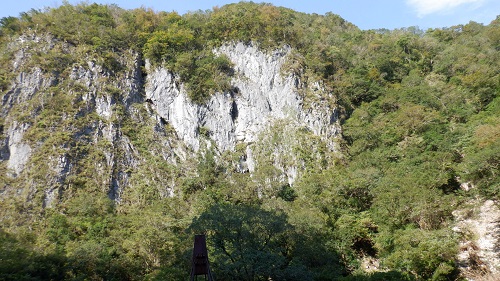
[(303, 147)]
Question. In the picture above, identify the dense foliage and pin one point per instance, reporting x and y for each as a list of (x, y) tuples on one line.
[(420, 113)]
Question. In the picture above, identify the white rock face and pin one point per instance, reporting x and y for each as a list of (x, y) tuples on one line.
[(488, 229), (103, 106), (19, 151), (171, 103), (261, 96), (483, 251)]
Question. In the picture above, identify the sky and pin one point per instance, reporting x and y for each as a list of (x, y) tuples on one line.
[(366, 14)]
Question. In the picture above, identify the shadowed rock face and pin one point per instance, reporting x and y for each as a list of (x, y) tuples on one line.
[(261, 95)]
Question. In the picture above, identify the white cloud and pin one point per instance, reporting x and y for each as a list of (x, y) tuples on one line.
[(425, 7)]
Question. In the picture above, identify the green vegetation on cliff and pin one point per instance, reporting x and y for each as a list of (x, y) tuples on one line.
[(420, 116)]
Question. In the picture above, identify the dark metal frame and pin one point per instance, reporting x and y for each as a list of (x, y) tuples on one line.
[(199, 262)]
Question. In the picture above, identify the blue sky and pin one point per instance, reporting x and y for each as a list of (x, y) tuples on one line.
[(366, 14)]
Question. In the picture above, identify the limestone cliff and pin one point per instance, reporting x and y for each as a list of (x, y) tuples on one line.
[(96, 124), (49, 112), (261, 95)]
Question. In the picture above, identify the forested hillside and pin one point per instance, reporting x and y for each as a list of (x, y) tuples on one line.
[(343, 154)]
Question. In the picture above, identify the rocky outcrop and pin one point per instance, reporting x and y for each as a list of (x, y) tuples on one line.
[(60, 167), (29, 80), (91, 88), (25, 86), (102, 98), (480, 246), (261, 95), (27, 83), (18, 150)]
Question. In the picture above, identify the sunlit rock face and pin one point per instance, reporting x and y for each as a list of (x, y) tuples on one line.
[(18, 150), (264, 97), (261, 95)]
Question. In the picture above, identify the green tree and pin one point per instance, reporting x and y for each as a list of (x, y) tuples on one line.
[(249, 243)]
